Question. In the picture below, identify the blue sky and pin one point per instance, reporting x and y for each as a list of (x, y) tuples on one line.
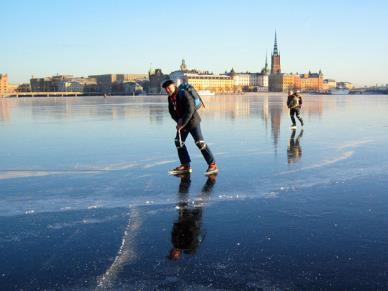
[(348, 40)]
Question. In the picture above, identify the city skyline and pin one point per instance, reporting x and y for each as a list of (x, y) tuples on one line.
[(94, 38)]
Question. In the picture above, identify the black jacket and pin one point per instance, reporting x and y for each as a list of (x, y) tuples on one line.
[(184, 110), (294, 101)]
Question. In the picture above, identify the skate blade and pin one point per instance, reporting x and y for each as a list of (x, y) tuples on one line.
[(214, 172), (175, 173)]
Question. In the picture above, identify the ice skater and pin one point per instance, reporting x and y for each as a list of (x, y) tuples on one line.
[(183, 110), (294, 103)]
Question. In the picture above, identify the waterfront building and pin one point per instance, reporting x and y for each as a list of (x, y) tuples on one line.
[(49, 84), (156, 79), (113, 83), (86, 85), (39, 84), (345, 85), (261, 81), (329, 84), (312, 82), (132, 88), (3, 84), (241, 79), (63, 83), (284, 82), (203, 80), (95, 84), (309, 82), (12, 88), (25, 87), (211, 82), (250, 82)]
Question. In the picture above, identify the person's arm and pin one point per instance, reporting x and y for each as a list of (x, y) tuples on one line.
[(190, 108), (288, 101), (300, 100), (172, 111)]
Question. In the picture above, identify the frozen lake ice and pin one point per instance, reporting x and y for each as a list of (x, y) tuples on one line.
[(86, 202)]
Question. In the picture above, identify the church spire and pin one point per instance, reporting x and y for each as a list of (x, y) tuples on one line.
[(275, 46), (183, 66), (275, 58), (265, 70)]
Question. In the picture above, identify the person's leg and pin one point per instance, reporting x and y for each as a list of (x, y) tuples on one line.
[(202, 145), (183, 154), (293, 135), (298, 116), (292, 112)]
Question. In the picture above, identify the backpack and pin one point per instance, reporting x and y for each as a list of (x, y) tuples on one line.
[(294, 102), (198, 103)]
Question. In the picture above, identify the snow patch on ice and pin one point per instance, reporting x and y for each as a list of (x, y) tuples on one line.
[(115, 167), (126, 253), (159, 163), (354, 144)]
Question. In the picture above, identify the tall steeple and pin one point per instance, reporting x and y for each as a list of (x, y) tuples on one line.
[(183, 66), (275, 58), (265, 70), (275, 46)]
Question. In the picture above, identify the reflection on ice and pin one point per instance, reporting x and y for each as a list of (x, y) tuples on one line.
[(294, 150), (187, 233)]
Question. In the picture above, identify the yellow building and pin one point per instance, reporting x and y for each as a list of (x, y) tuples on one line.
[(3, 84), (284, 82), (204, 81), (312, 82), (213, 83), (309, 82), (12, 88)]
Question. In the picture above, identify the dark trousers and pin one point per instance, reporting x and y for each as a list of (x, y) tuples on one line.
[(295, 111), (196, 133)]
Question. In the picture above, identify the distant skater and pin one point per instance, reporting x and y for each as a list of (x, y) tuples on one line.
[(183, 110), (294, 103)]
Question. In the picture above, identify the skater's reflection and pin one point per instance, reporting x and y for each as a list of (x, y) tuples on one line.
[(187, 233), (294, 150)]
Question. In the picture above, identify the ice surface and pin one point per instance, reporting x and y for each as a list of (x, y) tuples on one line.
[(86, 179)]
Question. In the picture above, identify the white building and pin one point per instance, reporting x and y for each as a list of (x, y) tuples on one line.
[(259, 80), (242, 79), (330, 83), (250, 81)]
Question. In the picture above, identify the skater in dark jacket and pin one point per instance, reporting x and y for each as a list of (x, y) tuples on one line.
[(294, 103), (182, 110)]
